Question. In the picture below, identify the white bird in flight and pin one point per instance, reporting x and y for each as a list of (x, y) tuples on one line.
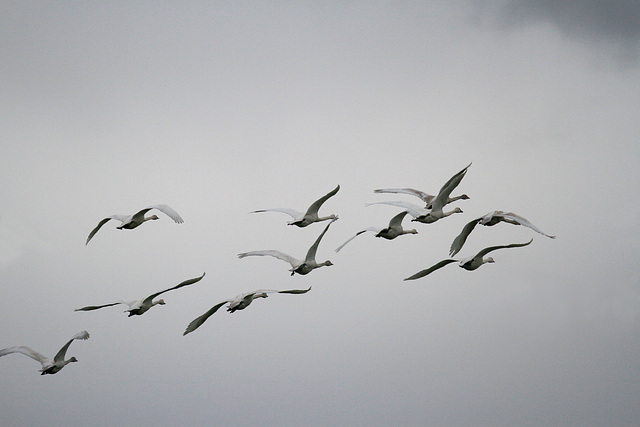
[(412, 209), (492, 218), (48, 366), (240, 302), (425, 197), (433, 212), (391, 232), (139, 307), (297, 266), (129, 222), (302, 219), (470, 263)]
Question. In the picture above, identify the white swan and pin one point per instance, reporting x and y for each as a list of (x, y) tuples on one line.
[(433, 212), (48, 366), (470, 263), (492, 218), (139, 307), (297, 266), (411, 208), (240, 302), (302, 219), (391, 232), (130, 222), (425, 197)]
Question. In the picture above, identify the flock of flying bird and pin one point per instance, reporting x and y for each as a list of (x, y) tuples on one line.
[(432, 211)]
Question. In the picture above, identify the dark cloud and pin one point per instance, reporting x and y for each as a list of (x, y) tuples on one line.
[(615, 20), (613, 24)]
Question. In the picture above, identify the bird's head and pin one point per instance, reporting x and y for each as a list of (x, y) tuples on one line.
[(161, 302), (465, 197), (154, 217), (73, 359), (412, 231), (488, 259), (457, 210)]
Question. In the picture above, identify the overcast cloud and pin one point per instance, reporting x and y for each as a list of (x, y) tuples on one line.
[(221, 108), (610, 30)]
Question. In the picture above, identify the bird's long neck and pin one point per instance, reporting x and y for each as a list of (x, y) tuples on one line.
[(487, 260), (445, 214)]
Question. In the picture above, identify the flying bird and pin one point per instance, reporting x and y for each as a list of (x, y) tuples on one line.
[(48, 366), (492, 218), (411, 208), (302, 219), (240, 302), (433, 212), (129, 222), (391, 232), (425, 197), (297, 266), (139, 307), (470, 263)]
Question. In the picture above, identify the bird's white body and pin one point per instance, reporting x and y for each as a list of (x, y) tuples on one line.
[(297, 265), (302, 219), (49, 366), (425, 197), (490, 219), (471, 263), (129, 222), (411, 208), (434, 209), (437, 204), (239, 302), (391, 232), (139, 307)]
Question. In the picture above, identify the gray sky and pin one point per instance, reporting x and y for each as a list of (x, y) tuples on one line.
[(221, 108)]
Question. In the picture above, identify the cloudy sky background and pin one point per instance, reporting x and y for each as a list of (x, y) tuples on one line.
[(220, 108)]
